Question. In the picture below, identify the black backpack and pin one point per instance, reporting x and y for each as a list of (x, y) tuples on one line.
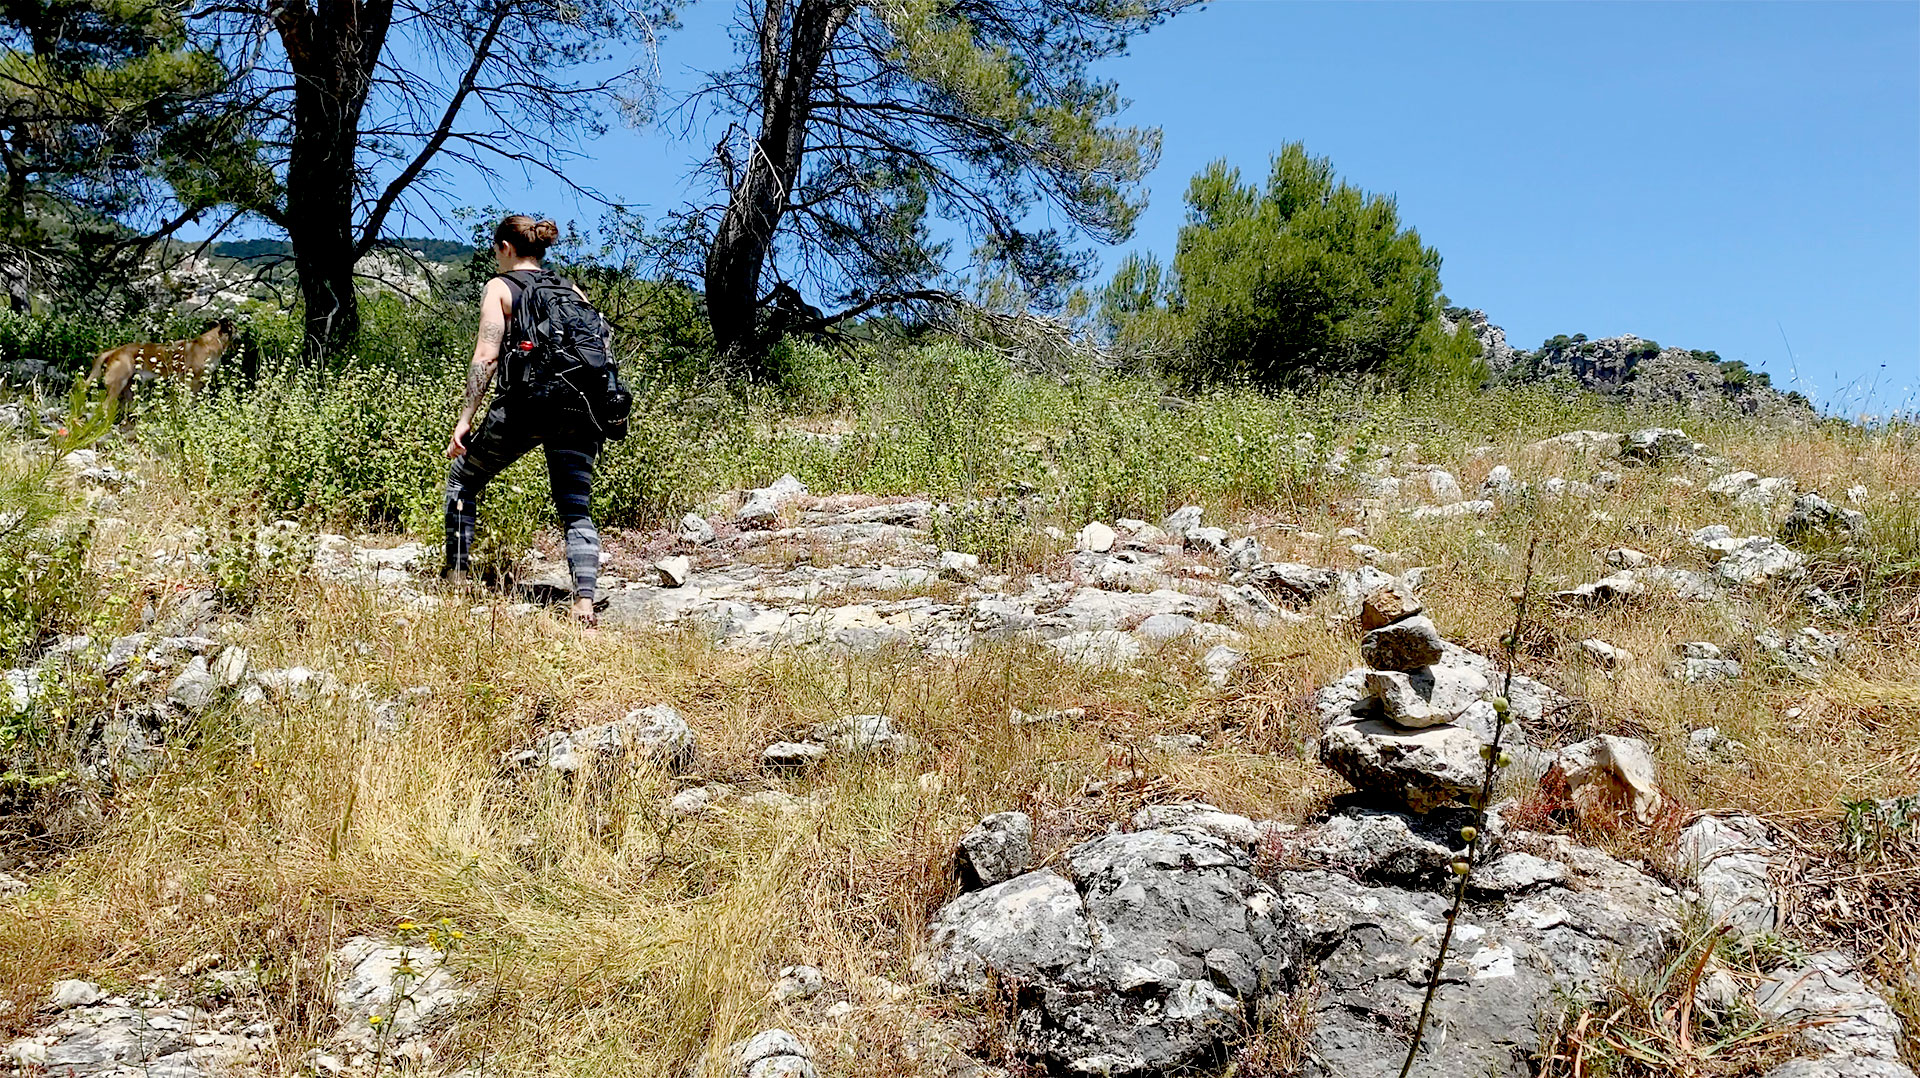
[(558, 358)]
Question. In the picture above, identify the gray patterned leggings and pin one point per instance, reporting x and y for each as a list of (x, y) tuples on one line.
[(499, 440)]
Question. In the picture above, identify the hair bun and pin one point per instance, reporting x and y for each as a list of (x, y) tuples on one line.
[(546, 232)]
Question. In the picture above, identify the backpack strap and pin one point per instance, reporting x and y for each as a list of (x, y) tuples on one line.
[(517, 282)]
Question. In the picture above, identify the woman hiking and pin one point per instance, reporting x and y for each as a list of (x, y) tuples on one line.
[(518, 419)]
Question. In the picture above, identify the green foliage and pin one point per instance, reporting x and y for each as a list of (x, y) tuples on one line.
[(1309, 276), (43, 555), (1643, 350), (107, 111)]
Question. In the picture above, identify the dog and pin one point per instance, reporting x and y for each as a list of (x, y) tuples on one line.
[(146, 361)]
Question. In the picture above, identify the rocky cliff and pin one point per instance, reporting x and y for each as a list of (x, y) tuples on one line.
[(1634, 370)]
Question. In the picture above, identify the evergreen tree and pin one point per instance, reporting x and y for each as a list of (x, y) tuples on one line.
[(1308, 276)]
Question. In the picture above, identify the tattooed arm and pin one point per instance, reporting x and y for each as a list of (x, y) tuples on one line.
[(495, 304)]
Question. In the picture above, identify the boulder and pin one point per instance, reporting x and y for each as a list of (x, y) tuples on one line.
[(402, 988), (1611, 775), (693, 528), (1375, 847), (1757, 560), (1407, 644), (1386, 605), (1581, 920), (1657, 445), (1095, 538), (1732, 860), (674, 570), (998, 848), (1143, 957), (1851, 1029), (1814, 515), (1421, 769), (1182, 520), (655, 735), (1429, 695), (762, 504)]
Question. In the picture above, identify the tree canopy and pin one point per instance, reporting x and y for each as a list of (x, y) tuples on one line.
[(1309, 275), (110, 128), (855, 125)]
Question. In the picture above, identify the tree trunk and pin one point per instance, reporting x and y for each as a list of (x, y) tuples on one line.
[(333, 53), (790, 59)]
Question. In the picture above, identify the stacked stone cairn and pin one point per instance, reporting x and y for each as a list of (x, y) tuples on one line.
[(1424, 714)]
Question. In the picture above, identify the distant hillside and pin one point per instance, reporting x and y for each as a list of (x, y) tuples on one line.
[(435, 250), (1632, 369)]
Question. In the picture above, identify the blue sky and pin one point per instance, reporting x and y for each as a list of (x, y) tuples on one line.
[(1742, 177)]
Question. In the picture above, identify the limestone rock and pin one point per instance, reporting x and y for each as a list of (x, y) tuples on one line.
[(998, 848), (193, 690), (1095, 538), (1704, 671), (1582, 920), (1429, 695), (1375, 847), (1756, 560), (1150, 957), (654, 735), (1386, 605), (674, 570), (1615, 589), (693, 528), (1220, 662), (1814, 515), (404, 985), (1202, 817), (1182, 520), (863, 734), (772, 1054), (792, 754), (799, 982), (1609, 775), (1420, 769), (1108, 648), (69, 994), (1732, 860), (762, 505), (1657, 445), (1708, 745), (1407, 644), (1605, 655), (1852, 1030)]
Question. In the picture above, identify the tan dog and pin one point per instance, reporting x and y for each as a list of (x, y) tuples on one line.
[(147, 361)]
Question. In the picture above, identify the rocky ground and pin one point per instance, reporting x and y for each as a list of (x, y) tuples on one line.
[(1163, 940)]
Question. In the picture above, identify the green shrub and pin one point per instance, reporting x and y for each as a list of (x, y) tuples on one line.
[(43, 551), (1306, 277)]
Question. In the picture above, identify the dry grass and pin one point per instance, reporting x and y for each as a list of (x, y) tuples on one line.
[(607, 938)]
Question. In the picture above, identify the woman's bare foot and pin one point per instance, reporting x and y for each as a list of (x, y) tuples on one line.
[(583, 613)]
